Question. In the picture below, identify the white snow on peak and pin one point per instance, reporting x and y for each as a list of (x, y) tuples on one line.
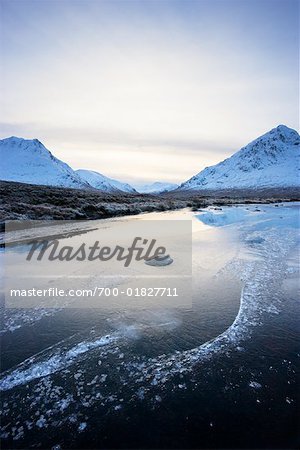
[(103, 183), (156, 188), (28, 161), (272, 160)]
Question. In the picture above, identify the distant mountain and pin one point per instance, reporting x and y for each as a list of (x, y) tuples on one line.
[(103, 183), (272, 160), (28, 161), (156, 188)]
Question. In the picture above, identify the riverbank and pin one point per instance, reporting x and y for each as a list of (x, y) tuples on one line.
[(19, 201)]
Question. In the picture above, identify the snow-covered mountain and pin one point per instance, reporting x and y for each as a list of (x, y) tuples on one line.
[(272, 160), (156, 188), (103, 183), (28, 161)]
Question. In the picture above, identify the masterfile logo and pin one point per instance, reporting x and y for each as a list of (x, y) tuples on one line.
[(140, 249)]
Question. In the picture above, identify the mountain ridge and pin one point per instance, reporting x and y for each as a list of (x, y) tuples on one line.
[(104, 183)]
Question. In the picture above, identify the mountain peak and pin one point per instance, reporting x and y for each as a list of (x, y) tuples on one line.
[(283, 129), (13, 139), (18, 140), (284, 133), (29, 161), (272, 160)]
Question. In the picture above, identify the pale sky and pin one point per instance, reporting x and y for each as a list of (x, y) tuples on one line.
[(147, 90)]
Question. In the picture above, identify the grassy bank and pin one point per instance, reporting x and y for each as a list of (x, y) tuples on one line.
[(19, 201)]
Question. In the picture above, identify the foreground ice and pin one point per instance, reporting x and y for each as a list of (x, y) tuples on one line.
[(55, 360)]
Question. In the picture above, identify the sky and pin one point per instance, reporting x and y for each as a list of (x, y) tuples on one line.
[(147, 90)]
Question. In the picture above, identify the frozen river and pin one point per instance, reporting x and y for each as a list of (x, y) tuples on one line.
[(219, 372)]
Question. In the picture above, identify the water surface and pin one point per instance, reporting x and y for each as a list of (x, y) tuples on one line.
[(219, 373)]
